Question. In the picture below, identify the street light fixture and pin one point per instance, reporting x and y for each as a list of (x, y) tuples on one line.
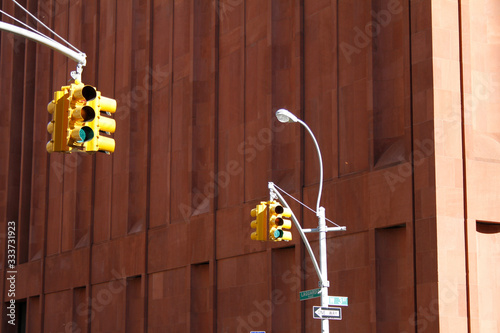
[(286, 116)]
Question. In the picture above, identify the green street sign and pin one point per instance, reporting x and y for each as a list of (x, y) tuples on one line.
[(338, 300), (308, 294)]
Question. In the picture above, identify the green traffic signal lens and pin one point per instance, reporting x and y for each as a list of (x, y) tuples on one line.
[(278, 233), (86, 134)]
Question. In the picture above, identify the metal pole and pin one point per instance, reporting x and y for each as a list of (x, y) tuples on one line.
[(80, 58), (320, 189), (320, 212), (324, 283)]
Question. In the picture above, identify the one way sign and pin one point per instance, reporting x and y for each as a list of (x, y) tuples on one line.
[(327, 313)]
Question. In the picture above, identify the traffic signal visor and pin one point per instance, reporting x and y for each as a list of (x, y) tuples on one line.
[(279, 222), (259, 224)]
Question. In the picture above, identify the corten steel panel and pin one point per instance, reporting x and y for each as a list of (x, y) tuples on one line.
[(161, 117), (127, 101), (282, 305), (58, 170), (245, 278), (201, 238), (320, 87), (394, 294), (167, 247), (139, 118), (156, 236), (231, 130), (354, 93), (168, 301), (391, 84), (182, 109), (104, 76), (122, 257), (204, 109), (135, 304), (66, 270), (38, 208), (108, 307), (57, 313), (33, 319), (80, 320), (286, 25), (201, 293)]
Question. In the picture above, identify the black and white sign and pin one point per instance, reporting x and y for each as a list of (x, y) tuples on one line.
[(327, 313)]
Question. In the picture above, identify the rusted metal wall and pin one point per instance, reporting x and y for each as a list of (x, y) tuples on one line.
[(156, 237)]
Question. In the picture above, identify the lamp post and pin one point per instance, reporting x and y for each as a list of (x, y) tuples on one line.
[(286, 116)]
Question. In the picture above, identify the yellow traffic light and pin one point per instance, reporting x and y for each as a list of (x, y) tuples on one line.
[(77, 122), (259, 224), (278, 220)]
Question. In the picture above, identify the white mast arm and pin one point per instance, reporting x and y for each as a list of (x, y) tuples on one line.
[(80, 58)]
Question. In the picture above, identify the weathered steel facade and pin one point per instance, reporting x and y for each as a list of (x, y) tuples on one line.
[(402, 96)]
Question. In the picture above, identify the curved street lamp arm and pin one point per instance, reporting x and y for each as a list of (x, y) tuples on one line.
[(320, 163)]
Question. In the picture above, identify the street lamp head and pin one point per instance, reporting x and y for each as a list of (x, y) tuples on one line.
[(286, 116)]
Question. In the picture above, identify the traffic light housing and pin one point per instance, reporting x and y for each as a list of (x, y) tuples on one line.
[(77, 123), (279, 222), (259, 224), (59, 125)]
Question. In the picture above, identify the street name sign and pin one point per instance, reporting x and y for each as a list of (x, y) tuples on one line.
[(308, 294), (327, 313), (338, 301)]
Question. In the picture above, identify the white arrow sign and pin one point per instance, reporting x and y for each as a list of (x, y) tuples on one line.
[(327, 313)]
